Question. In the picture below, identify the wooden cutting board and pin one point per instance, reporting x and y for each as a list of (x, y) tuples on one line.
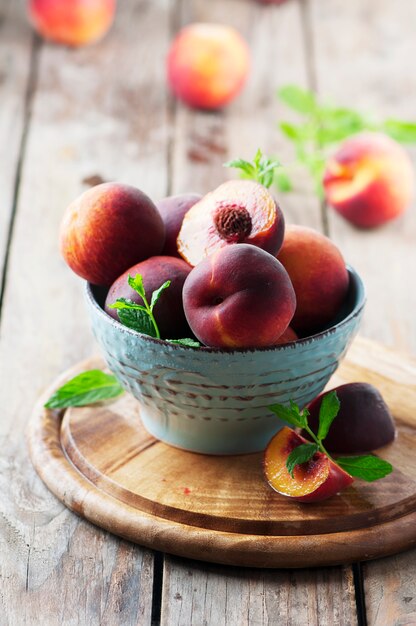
[(102, 464)]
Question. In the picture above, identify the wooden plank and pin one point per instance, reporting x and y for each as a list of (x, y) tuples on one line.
[(97, 112), (207, 594), (364, 55), (202, 141), (16, 55)]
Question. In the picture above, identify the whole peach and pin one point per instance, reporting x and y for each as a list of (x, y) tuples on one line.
[(318, 274), (168, 311), (288, 336), (108, 229), (207, 65), (173, 210), (239, 297), (369, 180), (72, 22)]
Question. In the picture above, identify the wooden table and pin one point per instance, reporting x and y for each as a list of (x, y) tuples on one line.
[(71, 118)]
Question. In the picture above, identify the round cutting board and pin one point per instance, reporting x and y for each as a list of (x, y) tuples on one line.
[(102, 464)]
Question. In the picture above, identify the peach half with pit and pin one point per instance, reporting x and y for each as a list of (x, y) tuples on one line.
[(239, 297), (313, 481), (238, 211), (108, 229)]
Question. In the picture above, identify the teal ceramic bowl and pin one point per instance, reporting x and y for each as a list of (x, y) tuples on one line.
[(215, 401)]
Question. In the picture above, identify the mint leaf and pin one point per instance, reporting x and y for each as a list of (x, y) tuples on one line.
[(262, 169), (125, 303), (190, 343), (136, 283), (327, 413), (367, 467), (404, 132), (156, 294), (86, 388), (300, 454), (137, 319), (244, 166), (291, 414), (291, 131), (298, 99)]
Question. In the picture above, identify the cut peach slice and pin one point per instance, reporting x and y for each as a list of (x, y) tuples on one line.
[(239, 211), (318, 479)]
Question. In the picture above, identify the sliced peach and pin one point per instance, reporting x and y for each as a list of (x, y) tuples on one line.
[(238, 211), (318, 479)]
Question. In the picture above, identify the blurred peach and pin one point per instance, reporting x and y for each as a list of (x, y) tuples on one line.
[(72, 22), (207, 65), (369, 180)]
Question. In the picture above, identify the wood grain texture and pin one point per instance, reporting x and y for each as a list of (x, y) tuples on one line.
[(364, 57), (17, 59), (199, 593), (103, 464), (89, 117)]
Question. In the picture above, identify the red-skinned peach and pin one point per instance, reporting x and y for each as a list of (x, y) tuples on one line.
[(108, 229), (369, 180), (364, 422), (288, 336), (318, 274), (168, 311), (239, 297), (72, 22), (173, 210), (238, 211), (207, 65), (318, 479)]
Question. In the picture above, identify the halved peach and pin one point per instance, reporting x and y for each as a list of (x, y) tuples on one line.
[(238, 211), (318, 479)]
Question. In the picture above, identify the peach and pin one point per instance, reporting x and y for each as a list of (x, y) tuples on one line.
[(313, 481), (207, 65), (108, 229), (238, 211), (288, 336), (318, 274), (239, 297), (364, 422), (168, 311), (369, 180), (72, 22), (173, 209)]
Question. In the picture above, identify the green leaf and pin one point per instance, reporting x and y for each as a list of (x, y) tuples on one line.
[(404, 132), (367, 467), (327, 413), (136, 283), (300, 454), (298, 99), (291, 131), (282, 180), (240, 164), (156, 294), (291, 414), (125, 303), (190, 343), (138, 320), (86, 388)]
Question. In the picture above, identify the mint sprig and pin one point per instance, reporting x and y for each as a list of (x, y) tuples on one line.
[(190, 343), (137, 316), (261, 168), (367, 467), (86, 388)]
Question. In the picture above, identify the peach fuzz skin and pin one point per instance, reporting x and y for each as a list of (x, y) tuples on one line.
[(318, 274), (108, 229), (173, 209), (239, 297), (369, 180), (314, 481), (73, 22), (207, 65)]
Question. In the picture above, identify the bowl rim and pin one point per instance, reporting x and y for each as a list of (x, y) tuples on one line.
[(359, 305)]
